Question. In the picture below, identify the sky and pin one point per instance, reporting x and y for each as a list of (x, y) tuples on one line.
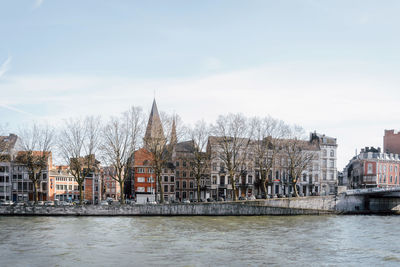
[(329, 66)]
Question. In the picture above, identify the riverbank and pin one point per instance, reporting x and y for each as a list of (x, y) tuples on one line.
[(288, 206), (320, 205)]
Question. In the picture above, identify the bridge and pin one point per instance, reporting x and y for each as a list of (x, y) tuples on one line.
[(370, 200), (376, 191)]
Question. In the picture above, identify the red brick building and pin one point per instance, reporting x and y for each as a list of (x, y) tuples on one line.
[(371, 168), (144, 180), (391, 142)]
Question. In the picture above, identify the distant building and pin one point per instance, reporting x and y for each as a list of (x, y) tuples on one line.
[(391, 142), (111, 188), (372, 168), (8, 152)]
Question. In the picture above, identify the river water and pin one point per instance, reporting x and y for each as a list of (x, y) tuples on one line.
[(200, 241)]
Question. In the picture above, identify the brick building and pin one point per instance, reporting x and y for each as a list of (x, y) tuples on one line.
[(372, 168), (391, 142), (144, 180), (110, 187)]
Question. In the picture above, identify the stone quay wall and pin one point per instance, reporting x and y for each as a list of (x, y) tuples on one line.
[(289, 206)]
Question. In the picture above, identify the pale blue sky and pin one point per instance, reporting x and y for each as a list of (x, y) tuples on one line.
[(331, 66)]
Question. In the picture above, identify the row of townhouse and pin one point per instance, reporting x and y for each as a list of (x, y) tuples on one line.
[(55, 182), (178, 181), (319, 178)]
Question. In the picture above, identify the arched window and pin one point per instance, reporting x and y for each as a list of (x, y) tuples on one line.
[(332, 153)]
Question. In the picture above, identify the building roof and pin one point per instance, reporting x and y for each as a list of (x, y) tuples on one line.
[(186, 146)]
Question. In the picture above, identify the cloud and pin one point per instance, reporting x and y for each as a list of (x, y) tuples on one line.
[(339, 99), (38, 3), (5, 66)]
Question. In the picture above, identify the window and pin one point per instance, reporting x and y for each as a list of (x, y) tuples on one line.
[(304, 177), (324, 153), (165, 188), (331, 176), (184, 195), (324, 176), (70, 187), (184, 174), (140, 189), (177, 173), (177, 164), (184, 163), (332, 153), (166, 179), (177, 184), (140, 170), (391, 168), (191, 184), (191, 195), (250, 179), (191, 174), (369, 171), (184, 184), (214, 166), (391, 179), (332, 163), (150, 180), (214, 180), (172, 188), (140, 179), (177, 195), (222, 180)]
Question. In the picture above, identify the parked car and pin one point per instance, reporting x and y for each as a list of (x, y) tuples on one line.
[(186, 201), (152, 202), (104, 203), (40, 203), (8, 202), (251, 198), (49, 203)]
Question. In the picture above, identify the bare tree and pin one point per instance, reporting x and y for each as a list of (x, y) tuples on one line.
[(267, 135), (36, 143), (120, 140), (201, 158), (78, 142), (299, 152), (232, 138), (162, 146)]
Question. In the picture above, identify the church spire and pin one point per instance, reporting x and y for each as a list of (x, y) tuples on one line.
[(154, 130), (174, 139)]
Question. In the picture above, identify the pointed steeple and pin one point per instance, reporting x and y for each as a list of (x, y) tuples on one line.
[(174, 139), (154, 130)]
